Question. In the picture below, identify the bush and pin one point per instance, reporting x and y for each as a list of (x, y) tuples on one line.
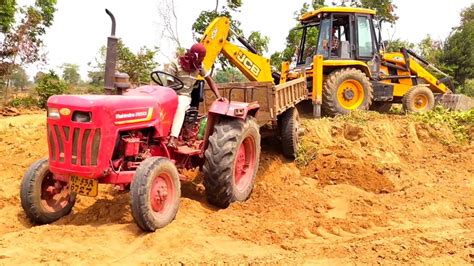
[(24, 102), (458, 122), (468, 88), (49, 85)]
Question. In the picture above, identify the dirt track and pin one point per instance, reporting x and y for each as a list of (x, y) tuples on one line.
[(382, 191)]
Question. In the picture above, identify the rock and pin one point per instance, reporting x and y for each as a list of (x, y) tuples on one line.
[(325, 152)]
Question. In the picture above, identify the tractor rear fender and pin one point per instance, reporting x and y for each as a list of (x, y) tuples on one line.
[(230, 110), (238, 110)]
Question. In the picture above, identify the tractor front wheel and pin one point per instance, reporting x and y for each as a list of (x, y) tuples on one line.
[(232, 159), (346, 90), (418, 99), (43, 198), (155, 193)]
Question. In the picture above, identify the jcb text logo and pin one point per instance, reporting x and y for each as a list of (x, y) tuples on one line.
[(248, 64)]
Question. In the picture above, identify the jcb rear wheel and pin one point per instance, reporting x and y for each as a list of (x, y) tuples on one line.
[(346, 90), (232, 159), (43, 198), (418, 99), (155, 193)]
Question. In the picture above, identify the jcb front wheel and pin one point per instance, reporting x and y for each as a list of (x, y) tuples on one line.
[(44, 199), (346, 90), (418, 99), (155, 193), (232, 159)]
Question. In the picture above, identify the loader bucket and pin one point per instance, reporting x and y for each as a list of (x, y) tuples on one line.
[(455, 102)]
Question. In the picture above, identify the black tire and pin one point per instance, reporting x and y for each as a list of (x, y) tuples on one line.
[(289, 127), (331, 104), (221, 157), (143, 212), (418, 99), (381, 107), (33, 199)]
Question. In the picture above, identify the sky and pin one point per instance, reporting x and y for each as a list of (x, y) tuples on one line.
[(81, 27)]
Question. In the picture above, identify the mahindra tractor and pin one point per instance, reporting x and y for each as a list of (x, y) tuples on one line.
[(121, 139)]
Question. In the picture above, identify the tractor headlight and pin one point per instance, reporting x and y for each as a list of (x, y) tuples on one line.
[(53, 113), (83, 117)]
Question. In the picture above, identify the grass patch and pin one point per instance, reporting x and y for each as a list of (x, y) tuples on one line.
[(459, 122)]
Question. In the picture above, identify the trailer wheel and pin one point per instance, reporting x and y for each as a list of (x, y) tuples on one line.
[(155, 193), (232, 159), (418, 99), (43, 198), (381, 107), (345, 90), (289, 130)]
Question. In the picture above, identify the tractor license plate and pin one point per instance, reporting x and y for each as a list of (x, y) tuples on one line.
[(84, 186)]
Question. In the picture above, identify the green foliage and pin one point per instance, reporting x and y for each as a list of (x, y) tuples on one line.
[(71, 73), (19, 78), (138, 66), (28, 102), (459, 53), (48, 85), (7, 14), (395, 45), (258, 41), (467, 15), (458, 122), (230, 74), (385, 8), (467, 88)]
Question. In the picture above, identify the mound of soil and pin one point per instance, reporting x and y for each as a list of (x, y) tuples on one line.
[(383, 190)]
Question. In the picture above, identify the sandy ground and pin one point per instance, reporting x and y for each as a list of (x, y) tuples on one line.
[(382, 191)]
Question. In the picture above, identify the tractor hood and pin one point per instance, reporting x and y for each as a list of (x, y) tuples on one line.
[(137, 104)]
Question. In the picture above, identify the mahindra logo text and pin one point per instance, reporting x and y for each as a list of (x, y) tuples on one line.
[(248, 63)]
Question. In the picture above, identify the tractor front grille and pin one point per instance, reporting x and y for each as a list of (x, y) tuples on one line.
[(74, 145)]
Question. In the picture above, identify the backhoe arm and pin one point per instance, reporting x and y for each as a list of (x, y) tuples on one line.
[(255, 67)]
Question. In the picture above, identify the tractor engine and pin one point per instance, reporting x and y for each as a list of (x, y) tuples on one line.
[(131, 149)]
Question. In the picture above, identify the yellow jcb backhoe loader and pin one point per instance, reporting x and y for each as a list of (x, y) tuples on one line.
[(347, 69)]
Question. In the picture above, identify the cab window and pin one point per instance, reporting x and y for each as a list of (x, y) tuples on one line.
[(364, 37)]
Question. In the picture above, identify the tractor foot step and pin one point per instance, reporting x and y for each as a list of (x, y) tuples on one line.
[(185, 150)]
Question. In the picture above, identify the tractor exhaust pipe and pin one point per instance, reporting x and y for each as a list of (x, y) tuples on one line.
[(111, 58)]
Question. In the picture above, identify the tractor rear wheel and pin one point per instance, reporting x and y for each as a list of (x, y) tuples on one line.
[(232, 159), (155, 193), (43, 198), (381, 107), (346, 90), (289, 130), (418, 99)]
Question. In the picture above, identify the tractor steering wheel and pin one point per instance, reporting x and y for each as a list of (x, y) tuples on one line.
[(174, 83)]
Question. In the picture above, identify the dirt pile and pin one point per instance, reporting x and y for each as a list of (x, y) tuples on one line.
[(376, 190)]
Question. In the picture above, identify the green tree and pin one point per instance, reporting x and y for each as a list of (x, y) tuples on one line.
[(49, 84), (19, 79), (294, 36), (22, 30), (397, 44), (71, 73), (385, 8), (7, 14), (230, 74), (458, 52), (138, 66)]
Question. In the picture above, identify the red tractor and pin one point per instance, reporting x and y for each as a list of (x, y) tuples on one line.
[(122, 140)]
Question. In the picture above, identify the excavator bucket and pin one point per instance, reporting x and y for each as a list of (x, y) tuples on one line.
[(455, 102)]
